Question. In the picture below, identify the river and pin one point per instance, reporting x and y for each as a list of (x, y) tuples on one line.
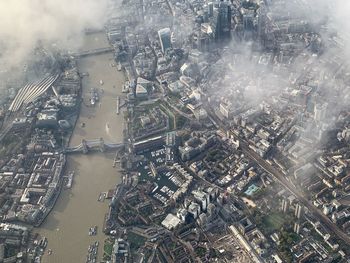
[(78, 208)]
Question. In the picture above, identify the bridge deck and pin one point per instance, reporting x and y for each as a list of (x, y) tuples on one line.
[(93, 52), (98, 144)]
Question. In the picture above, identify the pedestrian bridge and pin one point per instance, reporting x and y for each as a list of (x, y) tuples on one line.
[(87, 146)]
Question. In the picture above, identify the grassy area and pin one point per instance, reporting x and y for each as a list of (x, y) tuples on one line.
[(107, 249), (135, 240), (153, 105), (175, 96), (259, 193), (10, 144), (200, 251), (10, 251), (172, 121), (180, 121), (274, 221), (287, 239), (215, 155)]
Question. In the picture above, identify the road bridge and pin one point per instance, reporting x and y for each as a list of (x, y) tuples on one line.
[(93, 52), (87, 146)]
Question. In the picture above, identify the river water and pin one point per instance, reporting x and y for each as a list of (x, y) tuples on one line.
[(78, 208)]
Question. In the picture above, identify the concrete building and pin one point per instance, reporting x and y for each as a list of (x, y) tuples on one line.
[(170, 145), (171, 222), (141, 92), (320, 111), (194, 210), (298, 211), (297, 228), (195, 145), (225, 109), (202, 198), (47, 119), (284, 206), (245, 225)]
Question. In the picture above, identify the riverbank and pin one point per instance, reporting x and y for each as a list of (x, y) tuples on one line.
[(78, 208)]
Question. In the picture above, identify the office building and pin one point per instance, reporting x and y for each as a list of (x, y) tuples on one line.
[(297, 228), (222, 20), (298, 211), (284, 207), (320, 111), (165, 39)]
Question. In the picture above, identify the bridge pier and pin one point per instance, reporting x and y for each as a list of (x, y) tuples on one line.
[(102, 145), (85, 147)]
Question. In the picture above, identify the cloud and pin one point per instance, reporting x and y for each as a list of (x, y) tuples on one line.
[(24, 23)]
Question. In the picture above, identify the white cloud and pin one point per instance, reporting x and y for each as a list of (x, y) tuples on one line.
[(61, 22)]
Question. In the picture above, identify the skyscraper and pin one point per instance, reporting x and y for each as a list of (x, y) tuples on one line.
[(298, 211), (284, 206), (165, 39), (320, 111), (222, 14), (297, 228)]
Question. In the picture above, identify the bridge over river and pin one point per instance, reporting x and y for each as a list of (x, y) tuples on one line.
[(91, 52), (94, 145)]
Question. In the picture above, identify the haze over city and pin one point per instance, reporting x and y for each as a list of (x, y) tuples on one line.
[(174, 131), (26, 24)]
